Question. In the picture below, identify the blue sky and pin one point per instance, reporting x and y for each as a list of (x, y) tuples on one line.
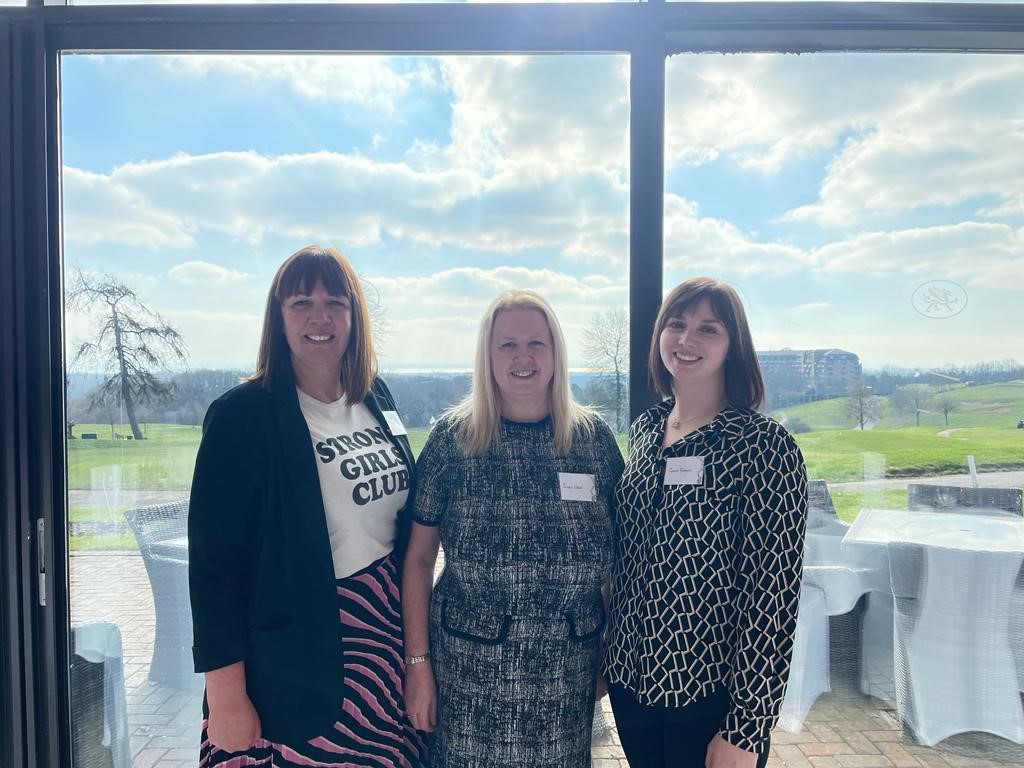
[(826, 188)]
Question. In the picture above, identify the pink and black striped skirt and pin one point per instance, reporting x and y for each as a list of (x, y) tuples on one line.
[(372, 728)]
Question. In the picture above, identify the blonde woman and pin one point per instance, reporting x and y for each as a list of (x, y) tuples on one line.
[(517, 484)]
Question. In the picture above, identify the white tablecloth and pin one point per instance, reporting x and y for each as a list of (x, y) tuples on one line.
[(952, 530), (953, 578)]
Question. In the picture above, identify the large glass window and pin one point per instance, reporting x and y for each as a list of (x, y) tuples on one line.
[(444, 180), (869, 209)]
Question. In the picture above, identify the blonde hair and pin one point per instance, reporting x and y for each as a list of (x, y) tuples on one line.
[(478, 417)]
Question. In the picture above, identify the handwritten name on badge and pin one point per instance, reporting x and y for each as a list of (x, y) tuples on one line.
[(684, 470), (395, 423), (577, 487)]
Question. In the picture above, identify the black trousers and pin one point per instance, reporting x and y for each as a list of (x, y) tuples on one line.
[(669, 737)]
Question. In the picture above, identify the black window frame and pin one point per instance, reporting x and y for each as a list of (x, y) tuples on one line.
[(34, 695)]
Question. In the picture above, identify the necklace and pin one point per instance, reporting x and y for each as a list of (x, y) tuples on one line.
[(675, 422)]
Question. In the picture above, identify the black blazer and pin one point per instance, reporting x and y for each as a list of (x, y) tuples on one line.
[(261, 576)]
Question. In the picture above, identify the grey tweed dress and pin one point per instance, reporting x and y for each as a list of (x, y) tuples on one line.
[(516, 616)]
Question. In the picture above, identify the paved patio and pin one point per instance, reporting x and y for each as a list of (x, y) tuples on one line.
[(844, 729)]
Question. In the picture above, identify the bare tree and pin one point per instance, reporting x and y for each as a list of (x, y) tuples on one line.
[(132, 343), (913, 399), (862, 406), (947, 404), (606, 348)]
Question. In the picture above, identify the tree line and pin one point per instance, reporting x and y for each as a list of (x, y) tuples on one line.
[(132, 347)]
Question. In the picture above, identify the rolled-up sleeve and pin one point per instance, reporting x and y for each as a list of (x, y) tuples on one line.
[(222, 527), (773, 507)]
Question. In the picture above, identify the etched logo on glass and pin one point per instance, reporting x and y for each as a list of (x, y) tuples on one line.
[(939, 299)]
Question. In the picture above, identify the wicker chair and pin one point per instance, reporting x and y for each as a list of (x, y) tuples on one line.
[(99, 712), (821, 512), (162, 534), (952, 498)]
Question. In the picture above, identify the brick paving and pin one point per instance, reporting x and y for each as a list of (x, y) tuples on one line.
[(843, 730)]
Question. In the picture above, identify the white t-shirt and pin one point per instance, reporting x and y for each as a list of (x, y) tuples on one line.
[(363, 479)]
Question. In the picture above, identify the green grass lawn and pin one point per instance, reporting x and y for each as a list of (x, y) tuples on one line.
[(96, 514), (824, 414), (417, 437), (911, 452), (992, 405), (164, 461), (105, 542), (849, 502)]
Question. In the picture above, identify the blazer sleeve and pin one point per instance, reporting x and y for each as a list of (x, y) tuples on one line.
[(222, 527), (773, 506)]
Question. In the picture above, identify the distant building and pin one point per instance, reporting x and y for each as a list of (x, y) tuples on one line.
[(808, 374)]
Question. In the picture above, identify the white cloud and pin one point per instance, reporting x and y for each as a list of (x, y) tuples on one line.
[(370, 81), (218, 339), (358, 202), (958, 139), (536, 159), (436, 316), (764, 110), (1013, 206), (100, 209), (355, 201), (548, 111), (204, 273), (904, 132), (813, 307), (693, 243), (976, 253), (471, 289), (430, 342)]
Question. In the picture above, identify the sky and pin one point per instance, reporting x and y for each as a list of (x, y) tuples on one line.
[(870, 202)]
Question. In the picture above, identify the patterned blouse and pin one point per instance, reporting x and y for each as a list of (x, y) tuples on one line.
[(707, 578)]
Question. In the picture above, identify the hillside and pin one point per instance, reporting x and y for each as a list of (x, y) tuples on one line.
[(993, 406)]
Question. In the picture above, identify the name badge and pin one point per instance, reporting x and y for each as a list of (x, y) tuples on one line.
[(684, 470), (577, 487), (395, 423)]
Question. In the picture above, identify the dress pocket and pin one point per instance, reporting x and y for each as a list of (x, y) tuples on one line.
[(586, 623), (475, 626)]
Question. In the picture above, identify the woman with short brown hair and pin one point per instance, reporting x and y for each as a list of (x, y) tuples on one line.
[(710, 518), (298, 522)]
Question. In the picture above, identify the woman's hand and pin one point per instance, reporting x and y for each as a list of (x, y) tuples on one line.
[(722, 754), (417, 582), (233, 725), (421, 696)]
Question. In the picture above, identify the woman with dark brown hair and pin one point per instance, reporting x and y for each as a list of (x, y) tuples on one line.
[(298, 523), (710, 523)]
